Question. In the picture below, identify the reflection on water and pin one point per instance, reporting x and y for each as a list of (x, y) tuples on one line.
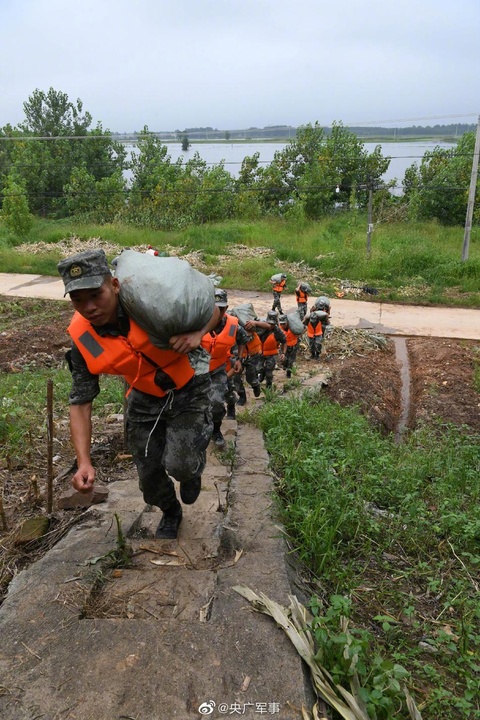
[(232, 154)]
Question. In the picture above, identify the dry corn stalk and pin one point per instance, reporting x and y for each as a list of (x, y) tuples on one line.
[(294, 621)]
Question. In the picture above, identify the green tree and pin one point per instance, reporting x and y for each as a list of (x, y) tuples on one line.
[(79, 191), (214, 201), (247, 204), (101, 201), (52, 141), (15, 210), (111, 193), (439, 186), (311, 167), (185, 143), (154, 182)]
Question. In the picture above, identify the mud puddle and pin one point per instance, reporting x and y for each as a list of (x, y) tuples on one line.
[(401, 355)]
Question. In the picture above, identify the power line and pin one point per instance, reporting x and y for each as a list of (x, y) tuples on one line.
[(177, 135), (414, 119)]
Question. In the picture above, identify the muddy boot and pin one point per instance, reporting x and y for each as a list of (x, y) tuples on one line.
[(189, 491), (289, 373), (170, 522), (242, 400), (231, 412), (217, 436), (256, 390)]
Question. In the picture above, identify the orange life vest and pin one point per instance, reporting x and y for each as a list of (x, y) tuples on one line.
[(314, 330), (302, 297), (278, 287), (134, 357), (269, 345), (292, 339), (253, 346), (219, 346)]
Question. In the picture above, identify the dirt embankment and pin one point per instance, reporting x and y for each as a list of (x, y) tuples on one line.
[(441, 373)]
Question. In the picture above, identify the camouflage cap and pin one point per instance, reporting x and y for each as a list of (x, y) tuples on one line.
[(283, 319), (84, 271), (221, 299), (272, 316)]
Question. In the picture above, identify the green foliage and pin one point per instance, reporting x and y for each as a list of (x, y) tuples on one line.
[(65, 143), (349, 655), (409, 262), (438, 188), (310, 169), (394, 530), (15, 210), (98, 200), (23, 396), (317, 170)]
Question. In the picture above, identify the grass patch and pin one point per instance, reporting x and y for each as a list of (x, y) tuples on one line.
[(425, 257), (395, 531), (23, 424)]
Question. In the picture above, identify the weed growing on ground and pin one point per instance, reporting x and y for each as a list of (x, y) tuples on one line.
[(416, 260), (21, 396), (395, 530)]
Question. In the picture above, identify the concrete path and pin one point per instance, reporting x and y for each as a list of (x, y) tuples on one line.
[(168, 637), (382, 317)]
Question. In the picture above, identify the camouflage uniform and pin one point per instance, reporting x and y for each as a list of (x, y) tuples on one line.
[(302, 302), (315, 343), (223, 389), (291, 351), (166, 435), (277, 294), (277, 301), (267, 363)]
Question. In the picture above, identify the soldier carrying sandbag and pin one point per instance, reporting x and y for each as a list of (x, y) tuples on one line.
[(118, 329)]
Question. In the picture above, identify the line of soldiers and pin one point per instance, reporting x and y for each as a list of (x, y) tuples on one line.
[(254, 348)]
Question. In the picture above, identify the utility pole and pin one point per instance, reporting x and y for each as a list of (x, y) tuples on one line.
[(471, 196), (370, 224)]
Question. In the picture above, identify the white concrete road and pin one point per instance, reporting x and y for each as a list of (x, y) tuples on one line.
[(386, 318)]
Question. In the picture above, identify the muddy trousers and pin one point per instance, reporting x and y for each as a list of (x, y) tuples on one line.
[(168, 437), (290, 356), (220, 390), (252, 366), (266, 368), (315, 345), (277, 301), (302, 310)]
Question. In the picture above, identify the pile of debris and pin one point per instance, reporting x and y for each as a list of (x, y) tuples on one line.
[(345, 342), (70, 246)]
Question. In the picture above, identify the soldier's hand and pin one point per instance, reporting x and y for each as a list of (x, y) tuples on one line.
[(186, 342), (84, 478)]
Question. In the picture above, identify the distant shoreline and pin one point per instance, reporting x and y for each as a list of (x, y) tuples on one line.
[(381, 139)]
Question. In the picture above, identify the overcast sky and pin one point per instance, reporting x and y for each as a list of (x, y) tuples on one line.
[(231, 64)]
